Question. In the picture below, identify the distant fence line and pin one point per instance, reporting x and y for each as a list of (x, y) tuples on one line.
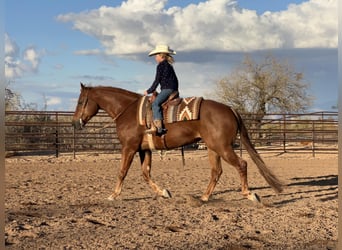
[(311, 132), (50, 132)]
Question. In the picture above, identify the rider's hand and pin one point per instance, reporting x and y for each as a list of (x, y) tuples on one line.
[(145, 92)]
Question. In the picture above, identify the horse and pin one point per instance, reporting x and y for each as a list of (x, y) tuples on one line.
[(217, 126)]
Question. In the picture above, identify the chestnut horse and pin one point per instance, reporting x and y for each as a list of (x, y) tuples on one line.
[(217, 126)]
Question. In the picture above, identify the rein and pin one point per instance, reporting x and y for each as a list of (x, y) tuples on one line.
[(120, 113), (116, 117)]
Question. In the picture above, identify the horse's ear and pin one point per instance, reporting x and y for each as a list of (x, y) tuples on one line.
[(82, 85)]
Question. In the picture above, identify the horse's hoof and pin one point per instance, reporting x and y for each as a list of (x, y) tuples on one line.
[(204, 198), (254, 197), (195, 202), (110, 198), (166, 193)]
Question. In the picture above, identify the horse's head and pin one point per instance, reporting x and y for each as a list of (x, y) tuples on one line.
[(86, 108)]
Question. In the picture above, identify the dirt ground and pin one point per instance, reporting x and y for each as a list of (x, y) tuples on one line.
[(60, 203)]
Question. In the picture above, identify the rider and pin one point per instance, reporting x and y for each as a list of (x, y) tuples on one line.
[(166, 77)]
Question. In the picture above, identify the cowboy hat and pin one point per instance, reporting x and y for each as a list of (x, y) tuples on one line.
[(162, 49)]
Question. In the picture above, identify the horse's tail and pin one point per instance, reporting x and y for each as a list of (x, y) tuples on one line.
[(271, 179)]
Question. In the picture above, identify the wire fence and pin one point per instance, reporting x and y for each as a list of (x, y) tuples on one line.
[(51, 133)]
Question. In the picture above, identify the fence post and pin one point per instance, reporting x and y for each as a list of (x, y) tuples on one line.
[(284, 133), (56, 143), (56, 137), (73, 142), (313, 138), (322, 127)]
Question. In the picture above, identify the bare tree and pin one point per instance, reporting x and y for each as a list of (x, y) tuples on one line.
[(266, 87), (12, 100)]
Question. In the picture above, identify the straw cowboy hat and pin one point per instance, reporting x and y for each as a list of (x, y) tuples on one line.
[(162, 49)]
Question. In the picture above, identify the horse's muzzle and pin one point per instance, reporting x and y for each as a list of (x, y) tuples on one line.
[(78, 124)]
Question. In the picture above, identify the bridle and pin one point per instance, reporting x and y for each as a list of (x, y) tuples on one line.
[(84, 104)]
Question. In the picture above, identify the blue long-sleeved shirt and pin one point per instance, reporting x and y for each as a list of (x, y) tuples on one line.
[(165, 76)]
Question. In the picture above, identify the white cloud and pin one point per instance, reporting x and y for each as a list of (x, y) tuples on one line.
[(13, 66), (310, 24), (11, 48), (52, 100), (88, 52), (31, 55), (16, 65), (219, 25)]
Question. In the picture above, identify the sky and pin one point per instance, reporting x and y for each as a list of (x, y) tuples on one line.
[(51, 46)]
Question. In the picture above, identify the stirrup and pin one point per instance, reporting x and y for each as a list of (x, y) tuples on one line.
[(161, 131)]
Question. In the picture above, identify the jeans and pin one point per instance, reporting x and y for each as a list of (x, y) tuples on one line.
[(156, 105)]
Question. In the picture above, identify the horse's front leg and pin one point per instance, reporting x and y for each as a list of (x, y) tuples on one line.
[(146, 160), (126, 161)]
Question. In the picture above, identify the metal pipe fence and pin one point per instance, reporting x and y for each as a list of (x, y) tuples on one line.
[(51, 133), (312, 132)]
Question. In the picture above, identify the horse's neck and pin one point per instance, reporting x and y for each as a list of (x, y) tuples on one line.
[(114, 102)]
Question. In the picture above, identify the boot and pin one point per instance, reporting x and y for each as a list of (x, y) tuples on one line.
[(159, 126)]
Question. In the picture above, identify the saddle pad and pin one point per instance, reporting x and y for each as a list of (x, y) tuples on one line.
[(143, 106), (187, 109)]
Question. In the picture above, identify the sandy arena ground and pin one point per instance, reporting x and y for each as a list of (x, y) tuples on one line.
[(60, 203)]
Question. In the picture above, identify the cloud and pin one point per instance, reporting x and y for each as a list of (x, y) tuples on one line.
[(17, 65), (52, 100), (88, 52), (13, 66), (308, 25), (32, 56), (215, 25), (58, 66), (96, 78), (11, 48)]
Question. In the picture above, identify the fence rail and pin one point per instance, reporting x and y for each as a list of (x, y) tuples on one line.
[(50, 132)]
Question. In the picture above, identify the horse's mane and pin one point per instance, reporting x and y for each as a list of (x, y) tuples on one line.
[(114, 89)]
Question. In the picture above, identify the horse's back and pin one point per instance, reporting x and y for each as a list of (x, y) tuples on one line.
[(216, 111), (217, 122)]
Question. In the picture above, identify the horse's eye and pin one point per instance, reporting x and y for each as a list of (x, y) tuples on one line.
[(80, 103)]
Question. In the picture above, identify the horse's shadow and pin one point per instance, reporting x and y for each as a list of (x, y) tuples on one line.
[(327, 189), (327, 180)]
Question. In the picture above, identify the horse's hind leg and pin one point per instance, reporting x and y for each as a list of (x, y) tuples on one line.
[(146, 160), (216, 171), (241, 166)]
